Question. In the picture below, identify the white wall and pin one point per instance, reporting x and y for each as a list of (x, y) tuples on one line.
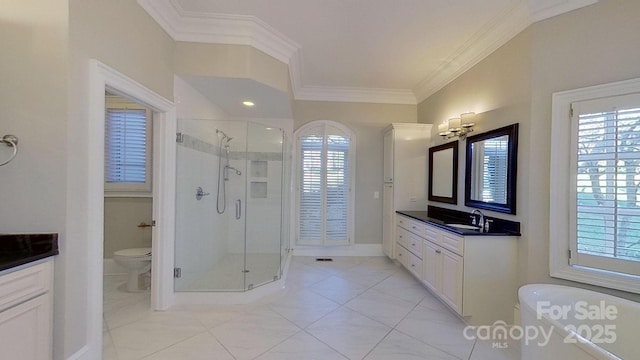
[(190, 104)]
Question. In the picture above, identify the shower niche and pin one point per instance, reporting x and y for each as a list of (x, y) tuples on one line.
[(236, 238), (259, 179)]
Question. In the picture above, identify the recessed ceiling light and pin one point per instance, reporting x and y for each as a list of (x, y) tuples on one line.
[(248, 103)]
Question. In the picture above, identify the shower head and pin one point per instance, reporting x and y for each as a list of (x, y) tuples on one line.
[(224, 136)]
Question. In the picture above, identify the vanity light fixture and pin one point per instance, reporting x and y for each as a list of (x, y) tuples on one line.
[(457, 127)]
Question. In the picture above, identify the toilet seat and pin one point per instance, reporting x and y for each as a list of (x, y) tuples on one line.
[(134, 253)]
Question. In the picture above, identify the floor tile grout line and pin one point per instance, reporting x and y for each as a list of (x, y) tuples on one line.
[(328, 345), (378, 343), (221, 344)]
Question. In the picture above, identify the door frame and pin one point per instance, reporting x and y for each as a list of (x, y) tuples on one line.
[(101, 78)]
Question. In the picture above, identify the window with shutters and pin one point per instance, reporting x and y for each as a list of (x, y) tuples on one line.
[(325, 153), (492, 157), (127, 147), (603, 187)]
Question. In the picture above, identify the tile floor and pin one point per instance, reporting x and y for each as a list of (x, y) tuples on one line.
[(351, 308)]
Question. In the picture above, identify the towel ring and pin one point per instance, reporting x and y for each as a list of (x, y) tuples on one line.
[(10, 140)]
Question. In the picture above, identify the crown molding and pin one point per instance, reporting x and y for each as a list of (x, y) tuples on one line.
[(211, 28), (492, 36), (540, 12), (488, 39), (182, 25), (358, 95)]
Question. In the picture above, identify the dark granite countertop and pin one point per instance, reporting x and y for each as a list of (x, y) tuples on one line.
[(442, 223), (20, 249)]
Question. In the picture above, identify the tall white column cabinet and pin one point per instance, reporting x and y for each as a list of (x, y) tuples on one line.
[(405, 175)]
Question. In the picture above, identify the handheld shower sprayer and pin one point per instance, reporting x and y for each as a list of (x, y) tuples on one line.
[(224, 136)]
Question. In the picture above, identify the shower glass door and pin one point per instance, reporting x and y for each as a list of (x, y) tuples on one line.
[(264, 204), (228, 205)]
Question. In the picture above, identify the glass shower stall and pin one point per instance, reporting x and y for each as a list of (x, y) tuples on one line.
[(231, 230)]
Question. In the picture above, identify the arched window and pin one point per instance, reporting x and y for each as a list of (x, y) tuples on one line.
[(325, 153)]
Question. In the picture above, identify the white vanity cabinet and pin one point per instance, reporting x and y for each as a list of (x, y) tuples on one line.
[(26, 314), (474, 275), (409, 245)]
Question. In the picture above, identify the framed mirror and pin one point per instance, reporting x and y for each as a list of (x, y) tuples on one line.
[(491, 168), (443, 173)]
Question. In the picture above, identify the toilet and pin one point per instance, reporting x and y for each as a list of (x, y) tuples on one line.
[(137, 261)]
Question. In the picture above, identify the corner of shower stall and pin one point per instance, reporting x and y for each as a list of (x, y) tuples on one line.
[(232, 204)]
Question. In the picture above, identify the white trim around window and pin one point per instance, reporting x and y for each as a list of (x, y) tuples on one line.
[(563, 188), (124, 116)]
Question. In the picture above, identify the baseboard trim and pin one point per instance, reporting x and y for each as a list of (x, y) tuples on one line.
[(351, 250)]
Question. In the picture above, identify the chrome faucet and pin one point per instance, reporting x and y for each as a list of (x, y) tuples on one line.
[(480, 220)]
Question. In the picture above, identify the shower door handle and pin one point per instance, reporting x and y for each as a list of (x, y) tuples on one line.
[(238, 209)]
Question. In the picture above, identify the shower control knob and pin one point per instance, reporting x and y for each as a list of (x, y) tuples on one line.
[(200, 193)]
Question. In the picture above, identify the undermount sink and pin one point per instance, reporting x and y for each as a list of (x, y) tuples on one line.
[(464, 226)]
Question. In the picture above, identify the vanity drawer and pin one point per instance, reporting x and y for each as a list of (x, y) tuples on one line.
[(416, 227), (402, 221), (414, 265), (401, 255), (411, 225), (25, 284), (432, 234), (452, 243), (415, 245), (402, 237)]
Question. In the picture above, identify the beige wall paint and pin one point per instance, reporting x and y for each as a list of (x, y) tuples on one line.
[(34, 107), (568, 51), (498, 90), (121, 219), (121, 35), (367, 121), (233, 61)]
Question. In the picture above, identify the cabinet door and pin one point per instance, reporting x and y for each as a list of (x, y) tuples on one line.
[(388, 223), (388, 156), (452, 268), (431, 265), (25, 330)]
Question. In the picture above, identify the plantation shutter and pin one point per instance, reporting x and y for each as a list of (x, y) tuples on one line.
[(606, 228), (125, 146), (491, 165), (324, 193), (495, 170), (311, 189)]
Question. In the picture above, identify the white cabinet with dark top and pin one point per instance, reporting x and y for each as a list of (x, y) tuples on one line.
[(475, 274)]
